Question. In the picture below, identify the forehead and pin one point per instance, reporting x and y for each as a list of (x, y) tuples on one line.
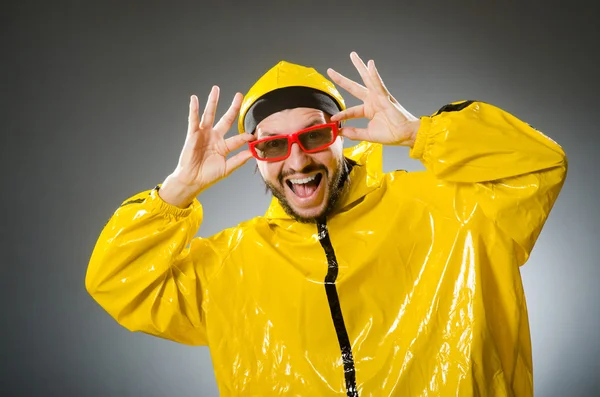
[(289, 121)]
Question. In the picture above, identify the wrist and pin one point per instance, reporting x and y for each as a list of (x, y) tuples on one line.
[(174, 192), (417, 149), (415, 125)]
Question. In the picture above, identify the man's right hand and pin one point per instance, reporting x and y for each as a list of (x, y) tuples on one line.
[(203, 160)]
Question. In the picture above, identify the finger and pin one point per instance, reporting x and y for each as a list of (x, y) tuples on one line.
[(352, 87), (355, 112), (228, 118), (356, 134), (362, 69), (237, 161), (193, 117), (376, 77), (236, 142), (208, 117)]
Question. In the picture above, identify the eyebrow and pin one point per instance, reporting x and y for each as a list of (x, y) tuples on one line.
[(309, 124)]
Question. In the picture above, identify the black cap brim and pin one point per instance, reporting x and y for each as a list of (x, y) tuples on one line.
[(288, 98)]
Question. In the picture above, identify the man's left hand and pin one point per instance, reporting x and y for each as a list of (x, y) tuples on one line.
[(389, 123)]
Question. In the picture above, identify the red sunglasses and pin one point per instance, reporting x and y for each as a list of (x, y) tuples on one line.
[(312, 139)]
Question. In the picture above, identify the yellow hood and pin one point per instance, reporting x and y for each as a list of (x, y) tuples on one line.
[(285, 74)]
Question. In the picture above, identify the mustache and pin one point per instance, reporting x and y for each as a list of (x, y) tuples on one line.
[(308, 169)]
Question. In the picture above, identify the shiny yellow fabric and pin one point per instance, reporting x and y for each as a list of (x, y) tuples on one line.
[(286, 74), (428, 282)]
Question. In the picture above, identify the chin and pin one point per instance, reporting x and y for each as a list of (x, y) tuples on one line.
[(309, 214), (306, 208)]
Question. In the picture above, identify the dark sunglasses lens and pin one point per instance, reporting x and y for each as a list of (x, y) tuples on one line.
[(272, 148), (315, 139)]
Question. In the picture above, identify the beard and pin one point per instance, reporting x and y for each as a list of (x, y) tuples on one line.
[(336, 183)]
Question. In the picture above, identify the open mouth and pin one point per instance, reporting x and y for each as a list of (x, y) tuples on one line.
[(305, 187)]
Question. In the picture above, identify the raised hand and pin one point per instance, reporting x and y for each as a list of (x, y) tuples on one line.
[(203, 160), (389, 123)]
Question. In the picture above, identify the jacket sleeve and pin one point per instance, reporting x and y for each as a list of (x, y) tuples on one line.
[(514, 172), (149, 272)]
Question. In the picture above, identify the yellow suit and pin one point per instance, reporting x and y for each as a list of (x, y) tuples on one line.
[(411, 288)]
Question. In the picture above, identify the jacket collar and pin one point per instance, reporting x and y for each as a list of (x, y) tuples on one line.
[(364, 177)]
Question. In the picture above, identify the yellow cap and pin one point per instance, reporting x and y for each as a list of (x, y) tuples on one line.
[(285, 74)]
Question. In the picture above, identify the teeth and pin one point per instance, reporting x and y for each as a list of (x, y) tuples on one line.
[(304, 180)]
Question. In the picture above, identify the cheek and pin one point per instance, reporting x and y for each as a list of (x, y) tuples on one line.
[(329, 159), (270, 171), (338, 147)]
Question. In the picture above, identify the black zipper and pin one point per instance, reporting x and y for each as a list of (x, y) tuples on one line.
[(336, 310)]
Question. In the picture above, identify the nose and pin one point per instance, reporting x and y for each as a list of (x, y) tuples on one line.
[(298, 158)]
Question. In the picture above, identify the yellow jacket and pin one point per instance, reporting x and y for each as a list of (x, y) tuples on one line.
[(412, 288)]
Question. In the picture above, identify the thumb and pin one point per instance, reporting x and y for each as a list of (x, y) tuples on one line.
[(353, 133), (236, 161)]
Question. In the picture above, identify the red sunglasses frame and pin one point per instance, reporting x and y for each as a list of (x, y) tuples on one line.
[(293, 138)]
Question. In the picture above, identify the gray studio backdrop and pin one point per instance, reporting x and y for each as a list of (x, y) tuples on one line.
[(94, 109)]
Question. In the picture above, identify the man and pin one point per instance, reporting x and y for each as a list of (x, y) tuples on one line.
[(355, 282)]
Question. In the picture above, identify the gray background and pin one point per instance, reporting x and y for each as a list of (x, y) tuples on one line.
[(94, 109)]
